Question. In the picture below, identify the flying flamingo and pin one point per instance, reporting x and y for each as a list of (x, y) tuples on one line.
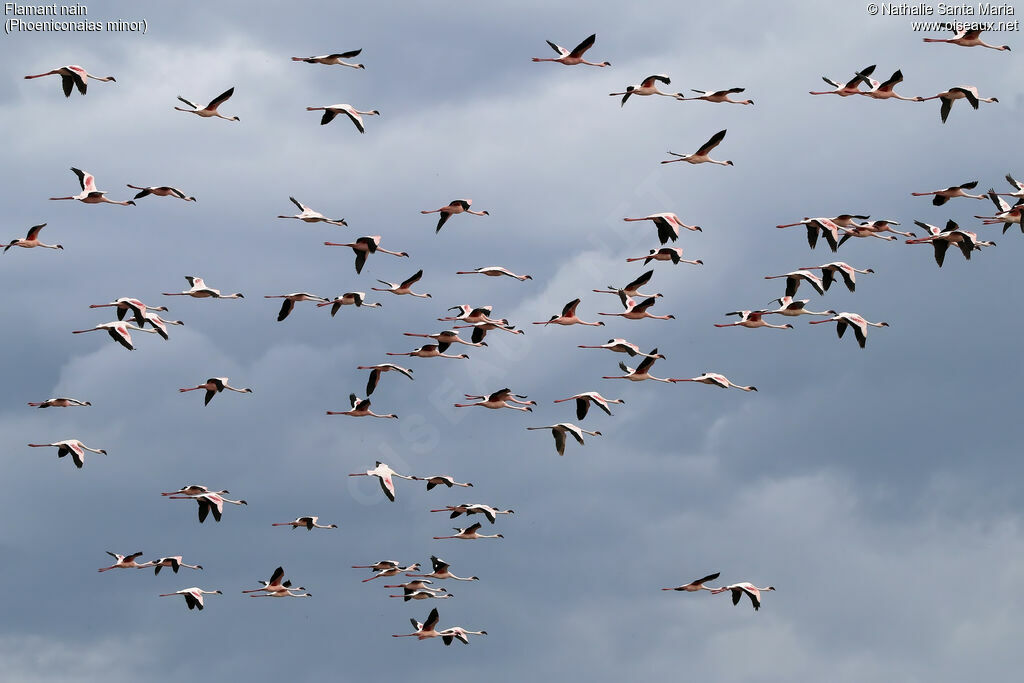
[(494, 271), (125, 304), (354, 115), (965, 37), (584, 400), (214, 386), (403, 287), (851, 87), (695, 586), (357, 299), (360, 408), (289, 301), (418, 585), (673, 254), (31, 240), (310, 522), (61, 402), (210, 110), (715, 379), (942, 196), (193, 596), (794, 278), (422, 594), (960, 92), (89, 193), (744, 588), (440, 571), (75, 447), (308, 215), (458, 633), (363, 246), (499, 399), (441, 480), (859, 325), (471, 315), (648, 86), (642, 371), (718, 96), (884, 90), (282, 593), (841, 268), (633, 288), (752, 320), (1005, 214), (491, 513), (275, 583), (638, 311), (470, 533), (125, 562), (1018, 188), (575, 57), (668, 225), (72, 76), (480, 329), (428, 351), (793, 307), (391, 571), (454, 207), (701, 155), (198, 290), (445, 339), (161, 191), (386, 477), (332, 59), (829, 227), (952, 234), (568, 317), (376, 370), (118, 331), (174, 562), (428, 629), (622, 346), (876, 228), (210, 502), (158, 323), (559, 431), (190, 490), (379, 566)]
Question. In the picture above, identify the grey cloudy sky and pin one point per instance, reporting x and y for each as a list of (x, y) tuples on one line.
[(876, 489)]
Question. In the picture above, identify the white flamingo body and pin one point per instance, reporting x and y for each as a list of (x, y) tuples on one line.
[(642, 371), (386, 476), (310, 522), (716, 379), (561, 429), (494, 271), (718, 96), (573, 57), (404, 287), (174, 562), (291, 299), (210, 110), (794, 278), (119, 331), (884, 90), (584, 400), (214, 386), (696, 585), (791, 307), (376, 370), (364, 246), (850, 87), (89, 193), (470, 533), (648, 86), (752, 320), (308, 215), (966, 37), (198, 290), (858, 323), (673, 254), (568, 317), (441, 480), (620, 346), (73, 76), (668, 225), (960, 92), (193, 596), (738, 590), (74, 447), (360, 408), (829, 271), (429, 351), (702, 155), (125, 562), (499, 399), (354, 115), (210, 502), (60, 402)]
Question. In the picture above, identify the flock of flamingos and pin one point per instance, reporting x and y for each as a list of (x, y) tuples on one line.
[(477, 320)]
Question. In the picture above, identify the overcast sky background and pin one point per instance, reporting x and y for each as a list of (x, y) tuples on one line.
[(876, 489)]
